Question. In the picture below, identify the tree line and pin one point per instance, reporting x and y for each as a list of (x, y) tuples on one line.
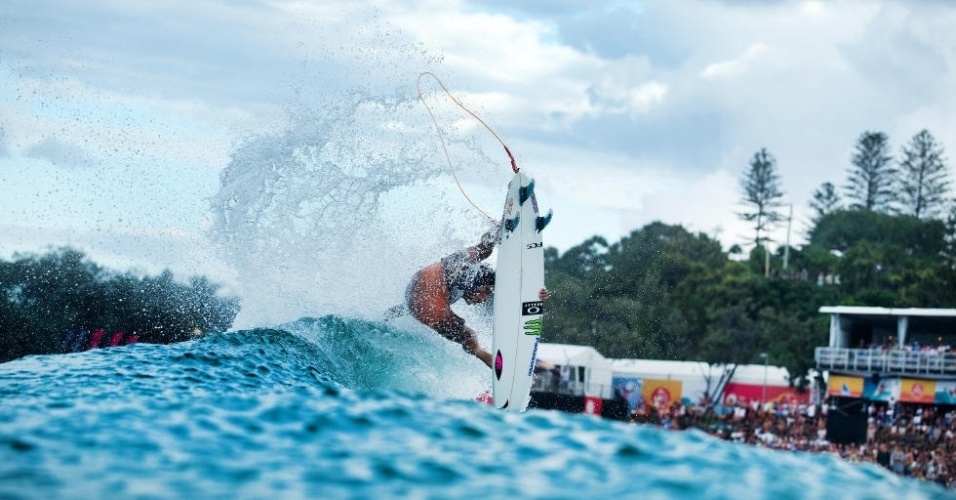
[(58, 301), (664, 292)]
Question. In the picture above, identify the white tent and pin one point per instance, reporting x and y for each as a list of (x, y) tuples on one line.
[(683, 370), (694, 374), (594, 378)]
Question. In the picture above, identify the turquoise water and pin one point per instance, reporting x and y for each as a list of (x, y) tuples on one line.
[(342, 408)]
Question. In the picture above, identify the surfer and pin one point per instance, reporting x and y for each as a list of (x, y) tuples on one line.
[(461, 275)]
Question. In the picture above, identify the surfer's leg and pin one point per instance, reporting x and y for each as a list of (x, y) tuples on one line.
[(484, 356), (454, 329), (471, 345)]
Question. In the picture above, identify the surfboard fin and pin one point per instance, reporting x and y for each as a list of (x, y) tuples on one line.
[(542, 222), (525, 192), (512, 224)]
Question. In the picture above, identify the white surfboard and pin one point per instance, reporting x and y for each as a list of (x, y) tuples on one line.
[(518, 309)]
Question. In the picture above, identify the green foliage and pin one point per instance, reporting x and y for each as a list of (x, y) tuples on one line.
[(872, 178), (925, 177), (43, 298), (665, 293), (845, 228), (762, 194), (825, 200)]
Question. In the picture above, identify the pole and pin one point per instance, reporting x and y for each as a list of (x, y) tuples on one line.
[(763, 393)]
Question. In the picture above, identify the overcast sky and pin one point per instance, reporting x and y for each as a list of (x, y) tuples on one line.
[(119, 117)]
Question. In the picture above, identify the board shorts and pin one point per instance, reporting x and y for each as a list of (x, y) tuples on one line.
[(427, 298)]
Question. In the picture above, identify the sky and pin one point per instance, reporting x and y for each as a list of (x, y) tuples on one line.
[(123, 121)]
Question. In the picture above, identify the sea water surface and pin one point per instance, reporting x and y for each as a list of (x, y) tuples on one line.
[(333, 407)]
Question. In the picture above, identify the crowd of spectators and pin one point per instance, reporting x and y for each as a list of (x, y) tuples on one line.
[(890, 344), (917, 441)]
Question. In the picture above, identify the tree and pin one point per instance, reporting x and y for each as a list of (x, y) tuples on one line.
[(844, 229), (925, 177), (949, 238), (51, 303), (871, 179), (825, 200), (761, 185)]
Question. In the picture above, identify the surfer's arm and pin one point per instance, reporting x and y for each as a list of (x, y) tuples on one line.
[(483, 249)]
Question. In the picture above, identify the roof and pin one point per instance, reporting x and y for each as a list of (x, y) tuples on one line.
[(580, 355), (654, 368), (567, 354), (885, 311)]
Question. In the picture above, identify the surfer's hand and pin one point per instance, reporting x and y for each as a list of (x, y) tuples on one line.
[(544, 294), (490, 238)]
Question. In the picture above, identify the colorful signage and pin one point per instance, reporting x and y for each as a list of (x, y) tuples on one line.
[(945, 392), (628, 388), (745, 394), (661, 393), (881, 389), (655, 393), (917, 391), (848, 387)]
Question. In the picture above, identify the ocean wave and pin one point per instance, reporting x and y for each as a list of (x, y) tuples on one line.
[(333, 407)]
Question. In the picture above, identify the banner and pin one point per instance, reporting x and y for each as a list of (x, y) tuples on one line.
[(661, 393), (748, 393), (592, 405), (887, 389), (945, 392), (917, 391), (629, 389), (848, 387)]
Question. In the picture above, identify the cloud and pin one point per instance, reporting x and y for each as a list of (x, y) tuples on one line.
[(659, 90), (738, 66), (4, 150), (60, 153)]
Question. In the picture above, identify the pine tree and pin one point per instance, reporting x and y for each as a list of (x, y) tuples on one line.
[(825, 200), (949, 238), (871, 180), (761, 185), (925, 177)]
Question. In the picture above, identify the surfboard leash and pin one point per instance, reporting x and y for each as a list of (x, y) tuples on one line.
[(421, 97)]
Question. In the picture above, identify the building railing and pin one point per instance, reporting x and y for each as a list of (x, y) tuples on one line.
[(880, 361)]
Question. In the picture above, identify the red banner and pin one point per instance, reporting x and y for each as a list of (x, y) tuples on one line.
[(747, 393), (592, 405)]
